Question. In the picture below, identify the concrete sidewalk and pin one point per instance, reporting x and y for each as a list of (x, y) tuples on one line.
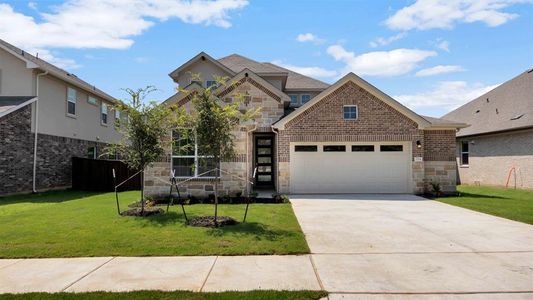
[(195, 273), (346, 276)]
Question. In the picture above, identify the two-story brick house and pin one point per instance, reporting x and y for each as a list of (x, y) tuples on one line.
[(312, 137), (50, 112)]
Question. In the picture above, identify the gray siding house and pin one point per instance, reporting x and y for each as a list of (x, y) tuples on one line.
[(497, 148), (50, 112)]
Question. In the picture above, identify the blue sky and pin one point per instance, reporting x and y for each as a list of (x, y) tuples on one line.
[(430, 55)]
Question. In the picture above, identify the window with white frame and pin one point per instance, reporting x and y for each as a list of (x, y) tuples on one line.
[(305, 98), (103, 113), (117, 117), (465, 153), (186, 159), (92, 100), (350, 112), (71, 101)]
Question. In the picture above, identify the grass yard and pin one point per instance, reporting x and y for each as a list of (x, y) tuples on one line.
[(179, 295), (507, 203), (73, 223)]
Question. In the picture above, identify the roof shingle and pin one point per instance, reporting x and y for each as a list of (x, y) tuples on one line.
[(507, 107)]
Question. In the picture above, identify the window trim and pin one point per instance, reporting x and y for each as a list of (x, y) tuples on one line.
[(89, 97), (464, 152), (196, 158), (356, 112), (74, 101), (102, 105), (297, 99)]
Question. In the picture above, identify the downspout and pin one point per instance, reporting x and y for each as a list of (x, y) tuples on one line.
[(34, 189), (248, 160)]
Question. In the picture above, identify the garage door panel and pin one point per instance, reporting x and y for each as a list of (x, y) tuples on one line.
[(350, 172)]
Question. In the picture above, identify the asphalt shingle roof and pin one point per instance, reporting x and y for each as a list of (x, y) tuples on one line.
[(295, 80), (507, 107), (8, 102)]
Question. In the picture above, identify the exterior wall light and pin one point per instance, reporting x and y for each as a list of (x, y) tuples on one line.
[(418, 144)]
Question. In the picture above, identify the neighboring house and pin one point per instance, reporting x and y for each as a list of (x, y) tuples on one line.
[(311, 137), (71, 117), (498, 144)]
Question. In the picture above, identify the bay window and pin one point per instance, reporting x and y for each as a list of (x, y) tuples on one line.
[(187, 161)]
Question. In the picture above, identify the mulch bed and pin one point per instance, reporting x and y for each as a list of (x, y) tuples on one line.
[(148, 211), (209, 221)]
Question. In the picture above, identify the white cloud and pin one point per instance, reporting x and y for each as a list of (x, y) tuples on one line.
[(429, 14), (380, 63), (446, 95), (108, 23), (32, 5), (444, 45), (61, 62), (308, 71), (309, 37), (381, 41), (440, 69)]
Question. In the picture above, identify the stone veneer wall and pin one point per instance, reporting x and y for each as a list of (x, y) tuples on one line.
[(157, 176), (54, 165), (439, 160)]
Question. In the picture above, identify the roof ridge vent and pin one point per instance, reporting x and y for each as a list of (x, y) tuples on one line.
[(518, 116), (530, 70)]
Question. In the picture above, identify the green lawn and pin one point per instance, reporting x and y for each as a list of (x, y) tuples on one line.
[(507, 203), (179, 295), (72, 223)]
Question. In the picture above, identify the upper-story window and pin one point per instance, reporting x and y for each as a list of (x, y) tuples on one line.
[(92, 100), (294, 100), (117, 117), (199, 82), (350, 112), (305, 98), (71, 101), (103, 113), (209, 83)]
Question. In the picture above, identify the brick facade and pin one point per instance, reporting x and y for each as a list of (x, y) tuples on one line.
[(53, 160)]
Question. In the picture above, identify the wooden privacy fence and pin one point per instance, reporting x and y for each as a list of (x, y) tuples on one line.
[(97, 175)]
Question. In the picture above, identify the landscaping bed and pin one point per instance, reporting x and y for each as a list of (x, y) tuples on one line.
[(75, 224)]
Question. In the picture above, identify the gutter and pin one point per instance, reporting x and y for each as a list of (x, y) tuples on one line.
[(34, 189)]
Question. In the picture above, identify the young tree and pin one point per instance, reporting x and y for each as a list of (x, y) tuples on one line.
[(213, 122), (145, 132)]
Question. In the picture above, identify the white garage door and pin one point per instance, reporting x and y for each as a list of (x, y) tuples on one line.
[(350, 167)]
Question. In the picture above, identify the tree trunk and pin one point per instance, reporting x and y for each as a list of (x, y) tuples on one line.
[(216, 201), (142, 192)]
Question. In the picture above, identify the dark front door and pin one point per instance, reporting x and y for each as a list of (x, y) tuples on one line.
[(264, 161)]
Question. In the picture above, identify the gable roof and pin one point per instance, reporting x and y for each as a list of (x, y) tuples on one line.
[(506, 107), (295, 81), (232, 83), (34, 62), (200, 56), (9, 104), (422, 123)]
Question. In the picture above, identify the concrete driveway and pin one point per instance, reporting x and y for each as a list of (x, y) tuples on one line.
[(389, 244)]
